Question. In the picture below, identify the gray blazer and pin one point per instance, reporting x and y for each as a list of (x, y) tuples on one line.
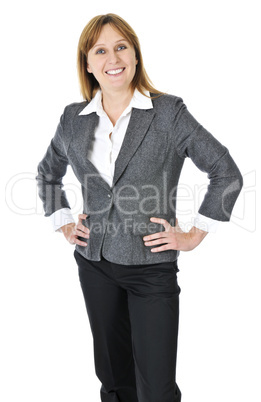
[(145, 182)]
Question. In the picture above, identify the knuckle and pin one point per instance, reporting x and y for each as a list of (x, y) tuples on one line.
[(82, 228)]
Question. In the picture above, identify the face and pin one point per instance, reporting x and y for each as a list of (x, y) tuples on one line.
[(112, 61)]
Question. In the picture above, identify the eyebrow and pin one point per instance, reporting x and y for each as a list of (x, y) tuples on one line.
[(103, 44)]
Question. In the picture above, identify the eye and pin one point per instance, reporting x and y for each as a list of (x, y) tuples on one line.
[(100, 51), (121, 47)]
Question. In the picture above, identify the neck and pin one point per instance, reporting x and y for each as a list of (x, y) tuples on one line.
[(115, 103)]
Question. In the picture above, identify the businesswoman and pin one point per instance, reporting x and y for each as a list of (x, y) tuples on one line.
[(126, 144)]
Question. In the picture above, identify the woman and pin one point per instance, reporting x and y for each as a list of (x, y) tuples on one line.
[(127, 143)]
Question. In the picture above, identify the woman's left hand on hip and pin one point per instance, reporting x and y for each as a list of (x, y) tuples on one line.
[(173, 238)]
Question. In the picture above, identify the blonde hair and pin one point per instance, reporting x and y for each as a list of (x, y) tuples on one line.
[(88, 83)]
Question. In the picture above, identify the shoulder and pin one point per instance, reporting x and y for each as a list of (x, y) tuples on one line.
[(168, 106), (70, 112), (167, 102), (73, 109)]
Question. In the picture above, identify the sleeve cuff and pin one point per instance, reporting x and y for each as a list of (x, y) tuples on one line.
[(204, 223), (60, 218)]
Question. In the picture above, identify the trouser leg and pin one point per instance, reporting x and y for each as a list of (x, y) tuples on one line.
[(107, 307), (153, 298)]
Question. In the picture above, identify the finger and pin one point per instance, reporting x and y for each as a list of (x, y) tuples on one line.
[(162, 248), (154, 236), (82, 234), (82, 216), (156, 242), (76, 240), (80, 243), (177, 227), (82, 228), (161, 221)]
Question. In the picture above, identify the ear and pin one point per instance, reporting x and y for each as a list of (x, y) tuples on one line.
[(88, 68)]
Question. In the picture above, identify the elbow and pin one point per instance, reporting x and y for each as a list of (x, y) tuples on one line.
[(235, 182), (238, 181), (231, 193), (241, 181)]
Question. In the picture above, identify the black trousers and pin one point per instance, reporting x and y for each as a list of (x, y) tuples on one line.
[(133, 313)]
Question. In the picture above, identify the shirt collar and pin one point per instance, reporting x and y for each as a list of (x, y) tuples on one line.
[(138, 101)]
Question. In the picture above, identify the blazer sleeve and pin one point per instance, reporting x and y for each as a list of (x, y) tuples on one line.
[(51, 170), (210, 156)]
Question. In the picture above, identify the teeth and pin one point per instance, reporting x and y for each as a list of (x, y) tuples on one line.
[(113, 72)]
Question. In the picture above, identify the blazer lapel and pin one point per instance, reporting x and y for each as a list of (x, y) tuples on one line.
[(138, 126), (84, 127)]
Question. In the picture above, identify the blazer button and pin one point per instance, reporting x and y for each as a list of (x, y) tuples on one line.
[(109, 195)]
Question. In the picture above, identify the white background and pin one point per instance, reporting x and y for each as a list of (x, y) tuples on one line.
[(207, 52)]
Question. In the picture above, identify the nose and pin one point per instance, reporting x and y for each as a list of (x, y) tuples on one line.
[(113, 57)]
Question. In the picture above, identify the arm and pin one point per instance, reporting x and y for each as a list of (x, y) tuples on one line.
[(210, 156), (51, 171)]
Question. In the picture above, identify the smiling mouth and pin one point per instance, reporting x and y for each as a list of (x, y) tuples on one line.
[(115, 72)]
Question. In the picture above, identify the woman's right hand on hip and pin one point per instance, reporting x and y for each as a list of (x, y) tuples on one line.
[(73, 231)]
